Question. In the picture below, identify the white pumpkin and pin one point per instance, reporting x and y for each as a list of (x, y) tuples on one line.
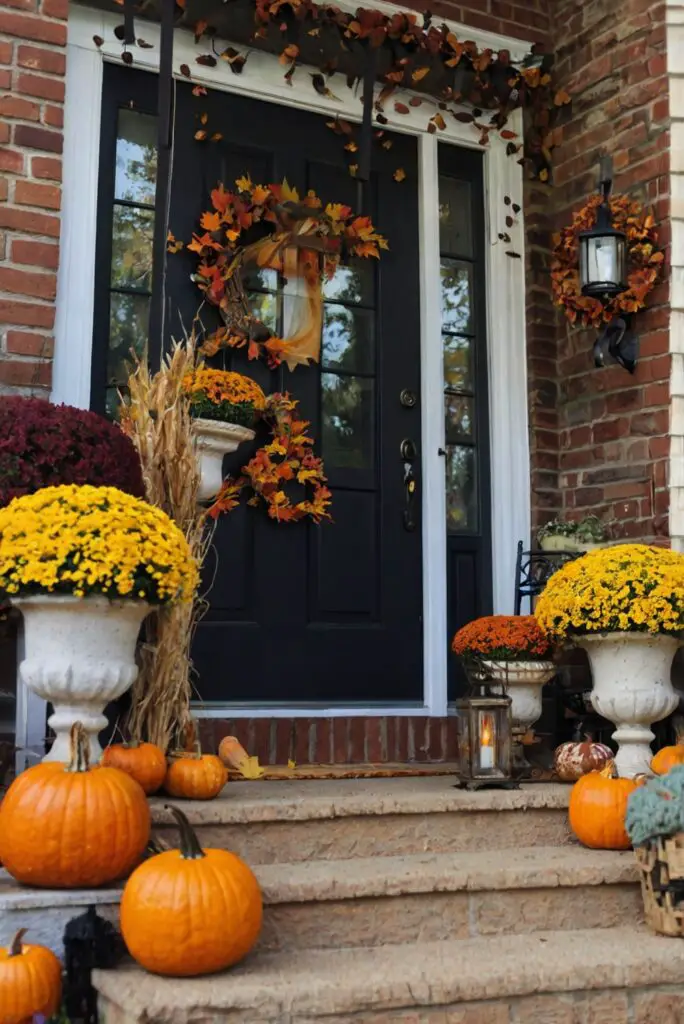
[(573, 760)]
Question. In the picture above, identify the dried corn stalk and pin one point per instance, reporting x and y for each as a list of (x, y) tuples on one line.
[(156, 417)]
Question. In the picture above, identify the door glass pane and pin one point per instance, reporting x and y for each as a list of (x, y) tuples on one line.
[(461, 489), (348, 339), (265, 306), (133, 229), (456, 297), (261, 279), (353, 283), (458, 363), (127, 331), (460, 422), (347, 413), (455, 216), (136, 157)]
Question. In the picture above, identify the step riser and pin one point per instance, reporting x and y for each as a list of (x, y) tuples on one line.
[(636, 1006), (378, 835), (391, 920), (45, 925), (428, 917)]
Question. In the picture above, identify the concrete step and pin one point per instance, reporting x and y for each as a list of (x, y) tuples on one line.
[(441, 896), (46, 912), (625, 975), (277, 822), (388, 900)]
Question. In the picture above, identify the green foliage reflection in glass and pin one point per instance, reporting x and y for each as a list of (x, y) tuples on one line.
[(132, 233), (456, 298)]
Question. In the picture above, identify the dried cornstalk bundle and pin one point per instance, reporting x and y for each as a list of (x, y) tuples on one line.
[(156, 417)]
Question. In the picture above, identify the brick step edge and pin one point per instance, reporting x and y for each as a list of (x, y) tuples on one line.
[(537, 867), (438, 974), (653, 1005)]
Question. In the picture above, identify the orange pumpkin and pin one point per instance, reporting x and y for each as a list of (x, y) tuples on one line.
[(191, 912), (195, 776), (598, 803), (73, 826), (667, 758), (30, 981), (144, 762)]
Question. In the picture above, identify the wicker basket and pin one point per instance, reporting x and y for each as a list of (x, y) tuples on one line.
[(661, 864)]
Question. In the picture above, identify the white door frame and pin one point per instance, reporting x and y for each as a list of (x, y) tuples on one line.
[(505, 286)]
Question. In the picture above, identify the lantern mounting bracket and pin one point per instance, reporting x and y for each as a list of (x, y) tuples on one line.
[(605, 182)]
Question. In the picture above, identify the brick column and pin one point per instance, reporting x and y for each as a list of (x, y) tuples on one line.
[(32, 69), (614, 428)]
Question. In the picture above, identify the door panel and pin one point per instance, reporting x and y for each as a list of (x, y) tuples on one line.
[(299, 612)]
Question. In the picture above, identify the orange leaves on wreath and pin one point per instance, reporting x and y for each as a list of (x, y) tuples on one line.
[(644, 262), (319, 235), (287, 458)]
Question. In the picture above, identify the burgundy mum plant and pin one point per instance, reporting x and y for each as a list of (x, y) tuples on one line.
[(43, 445)]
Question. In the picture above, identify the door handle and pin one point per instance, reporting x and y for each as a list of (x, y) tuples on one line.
[(408, 453)]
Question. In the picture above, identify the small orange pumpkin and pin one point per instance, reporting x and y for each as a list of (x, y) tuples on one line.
[(191, 912), (30, 981), (598, 803), (668, 757), (195, 776), (144, 762), (73, 826)]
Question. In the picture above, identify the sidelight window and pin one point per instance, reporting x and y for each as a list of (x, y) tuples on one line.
[(457, 265), (130, 283)]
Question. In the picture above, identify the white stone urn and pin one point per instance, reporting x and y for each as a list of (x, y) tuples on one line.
[(632, 689), (214, 439), (80, 655), (523, 682)]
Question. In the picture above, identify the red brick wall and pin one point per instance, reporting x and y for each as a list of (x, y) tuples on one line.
[(384, 739), (522, 19), (612, 428), (32, 69)]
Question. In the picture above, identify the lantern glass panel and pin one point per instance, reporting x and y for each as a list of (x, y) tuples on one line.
[(487, 737), (602, 264)]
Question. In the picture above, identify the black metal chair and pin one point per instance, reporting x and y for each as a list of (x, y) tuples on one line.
[(533, 570)]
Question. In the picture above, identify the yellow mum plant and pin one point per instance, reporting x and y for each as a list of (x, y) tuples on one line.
[(627, 588), (223, 395), (93, 540)]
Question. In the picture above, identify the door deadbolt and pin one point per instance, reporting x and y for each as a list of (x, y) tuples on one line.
[(408, 398)]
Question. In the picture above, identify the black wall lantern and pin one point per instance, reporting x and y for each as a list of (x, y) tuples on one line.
[(602, 249)]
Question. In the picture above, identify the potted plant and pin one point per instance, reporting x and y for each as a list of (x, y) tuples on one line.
[(43, 445), (655, 825), (84, 565), (624, 605), (46, 445), (573, 535), (224, 406), (515, 652)]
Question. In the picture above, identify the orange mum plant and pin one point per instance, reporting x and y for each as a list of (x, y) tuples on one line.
[(223, 395), (644, 262), (503, 638)]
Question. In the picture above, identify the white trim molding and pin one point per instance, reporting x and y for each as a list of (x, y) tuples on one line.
[(505, 283)]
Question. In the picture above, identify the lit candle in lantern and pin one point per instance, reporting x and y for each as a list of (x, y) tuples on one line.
[(486, 743)]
